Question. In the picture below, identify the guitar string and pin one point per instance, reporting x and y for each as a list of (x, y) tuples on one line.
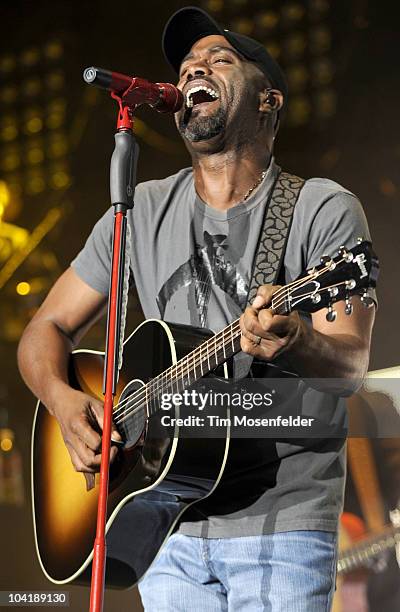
[(136, 401), (134, 406), (184, 368), (213, 344), (275, 304)]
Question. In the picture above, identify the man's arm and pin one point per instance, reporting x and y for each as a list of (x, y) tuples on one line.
[(43, 353), (323, 350)]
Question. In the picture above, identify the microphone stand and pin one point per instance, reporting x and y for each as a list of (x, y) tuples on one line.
[(122, 188)]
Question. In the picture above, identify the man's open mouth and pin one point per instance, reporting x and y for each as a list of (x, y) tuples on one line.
[(200, 94)]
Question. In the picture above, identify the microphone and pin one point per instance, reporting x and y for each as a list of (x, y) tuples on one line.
[(163, 97)]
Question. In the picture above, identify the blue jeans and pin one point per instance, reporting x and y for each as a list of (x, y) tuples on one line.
[(292, 571)]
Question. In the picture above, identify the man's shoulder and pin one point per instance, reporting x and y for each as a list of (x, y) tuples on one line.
[(324, 188), (319, 194)]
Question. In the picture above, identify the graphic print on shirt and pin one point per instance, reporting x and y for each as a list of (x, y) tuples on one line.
[(208, 266)]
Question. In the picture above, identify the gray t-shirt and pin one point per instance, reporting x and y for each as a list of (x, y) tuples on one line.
[(192, 264)]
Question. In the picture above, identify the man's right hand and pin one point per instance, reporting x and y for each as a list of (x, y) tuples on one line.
[(80, 417)]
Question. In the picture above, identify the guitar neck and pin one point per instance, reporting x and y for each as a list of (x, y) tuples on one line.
[(359, 555), (196, 364)]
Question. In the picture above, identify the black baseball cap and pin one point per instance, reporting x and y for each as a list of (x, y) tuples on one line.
[(190, 24)]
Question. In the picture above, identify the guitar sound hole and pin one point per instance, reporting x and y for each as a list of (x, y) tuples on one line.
[(131, 417)]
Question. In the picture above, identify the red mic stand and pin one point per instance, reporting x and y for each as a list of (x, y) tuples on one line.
[(122, 187)]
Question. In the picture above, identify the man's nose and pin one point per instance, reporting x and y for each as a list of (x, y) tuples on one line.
[(198, 69)]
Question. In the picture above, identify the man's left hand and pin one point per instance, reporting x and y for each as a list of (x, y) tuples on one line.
[(264, 334)]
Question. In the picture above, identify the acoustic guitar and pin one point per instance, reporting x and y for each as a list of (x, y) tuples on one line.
[(157, 474)]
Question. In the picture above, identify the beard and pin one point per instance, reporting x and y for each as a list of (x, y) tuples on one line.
[(199, 127)]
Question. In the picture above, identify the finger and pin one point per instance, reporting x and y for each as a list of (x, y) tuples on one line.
[(250, 322), (85, 432), (78, 464), (98, 412), (275, 324), (89, 458), (264, 296)]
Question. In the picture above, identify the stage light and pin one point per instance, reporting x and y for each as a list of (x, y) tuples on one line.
[(9, 128), (57, 145), (322, 71), (387, 187), (55, 113), (32, 87), (34, 182), (274, 49), (320, 40), (243, 26), (55, 80), (53, 50), (292, 12), (34, 155), (7, 63), (267, 19), (297, 77), (33, 121), (5, 197), (11, 160), (214, 5), (299, 110), (318, 7), (59, 177), (8, 94), (294, 45), (6, 444), (29, 57), (23, 288)]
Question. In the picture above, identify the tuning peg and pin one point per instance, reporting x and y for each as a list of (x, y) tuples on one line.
[(360, 239), (348, 308), (331, 315), (315, 298), (333, 291), (350, 284), (366, 300), (328, 262)]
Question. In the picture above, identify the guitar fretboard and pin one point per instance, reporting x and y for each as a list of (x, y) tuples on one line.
[(358, 556), (199, 362)]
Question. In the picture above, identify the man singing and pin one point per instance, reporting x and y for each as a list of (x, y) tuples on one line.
[(266, 540)]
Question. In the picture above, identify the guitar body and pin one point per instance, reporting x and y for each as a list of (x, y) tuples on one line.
[(154, 480)]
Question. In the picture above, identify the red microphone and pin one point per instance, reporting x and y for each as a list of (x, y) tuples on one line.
[(163, 97)]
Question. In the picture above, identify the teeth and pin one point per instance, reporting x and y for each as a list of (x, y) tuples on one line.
[(193, 90)]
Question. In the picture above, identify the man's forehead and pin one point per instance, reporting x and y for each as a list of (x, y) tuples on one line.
[(210, 43)]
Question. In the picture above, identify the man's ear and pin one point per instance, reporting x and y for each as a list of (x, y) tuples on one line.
[(270, 100)]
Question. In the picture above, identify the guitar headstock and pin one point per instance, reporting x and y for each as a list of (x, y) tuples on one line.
[(351, 272)]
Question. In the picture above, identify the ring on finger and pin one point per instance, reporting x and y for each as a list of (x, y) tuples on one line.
[(257, 340)]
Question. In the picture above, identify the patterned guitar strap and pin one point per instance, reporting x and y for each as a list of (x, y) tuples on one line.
[(270, 252)]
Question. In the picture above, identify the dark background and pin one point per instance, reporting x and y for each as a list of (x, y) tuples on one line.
[(353, 141)]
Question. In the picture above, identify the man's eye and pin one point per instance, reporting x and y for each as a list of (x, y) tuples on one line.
[(222, 59)]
